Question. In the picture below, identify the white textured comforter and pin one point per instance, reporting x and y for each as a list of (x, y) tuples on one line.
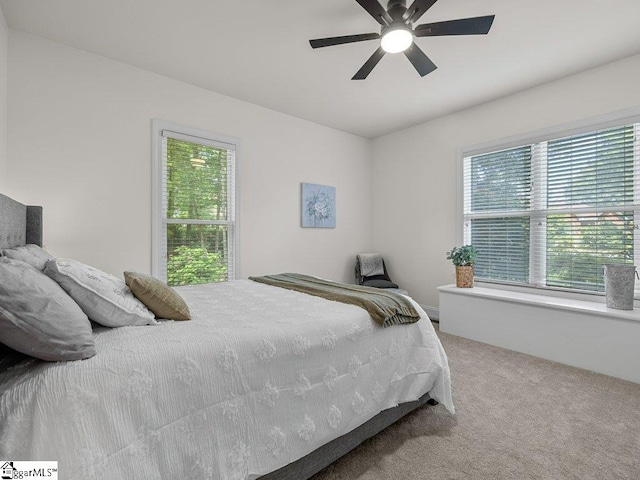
[(259, 378)]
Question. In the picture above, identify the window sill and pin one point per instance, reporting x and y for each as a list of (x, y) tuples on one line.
[(546, 301)]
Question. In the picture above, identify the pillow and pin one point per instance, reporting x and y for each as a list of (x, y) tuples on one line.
[(31, 254), (38, 318), (157, 296), (103, 297), (379, 283)]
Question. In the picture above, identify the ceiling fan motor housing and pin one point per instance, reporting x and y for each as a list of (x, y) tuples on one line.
[(396, 9)]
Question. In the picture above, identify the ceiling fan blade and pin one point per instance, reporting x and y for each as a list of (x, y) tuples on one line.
[(369, 64), (463, 26), (377, 11), (420, 61), (328, 42), (417, 9)]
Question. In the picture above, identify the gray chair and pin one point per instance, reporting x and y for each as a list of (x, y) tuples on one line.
[(377, 281)]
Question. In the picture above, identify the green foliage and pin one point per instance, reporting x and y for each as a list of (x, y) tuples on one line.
[(192, 265), (462, 256), (580, 246), (196, 181), (196, 188)]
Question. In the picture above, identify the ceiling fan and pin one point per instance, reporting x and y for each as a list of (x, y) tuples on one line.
[(397, 32)]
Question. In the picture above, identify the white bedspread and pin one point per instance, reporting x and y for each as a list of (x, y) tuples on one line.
[(259, 378)]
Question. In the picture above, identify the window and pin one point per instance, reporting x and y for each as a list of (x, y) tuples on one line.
[(195, 219), (553, 212)]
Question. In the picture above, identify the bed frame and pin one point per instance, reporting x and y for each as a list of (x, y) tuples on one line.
[(21, 224)]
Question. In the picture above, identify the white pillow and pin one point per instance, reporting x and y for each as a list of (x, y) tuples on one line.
[(104, 298), (32, 254)]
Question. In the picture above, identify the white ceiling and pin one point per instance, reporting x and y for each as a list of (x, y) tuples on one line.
[(258, 50)]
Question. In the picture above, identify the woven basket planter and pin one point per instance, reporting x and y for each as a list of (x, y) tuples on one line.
[(464, 276)]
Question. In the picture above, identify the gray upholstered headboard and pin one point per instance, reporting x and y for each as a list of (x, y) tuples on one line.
[(19, 224)]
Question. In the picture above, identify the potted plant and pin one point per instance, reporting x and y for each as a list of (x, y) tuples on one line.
[(464, 258)]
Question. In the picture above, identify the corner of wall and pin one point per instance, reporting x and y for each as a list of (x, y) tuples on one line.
[(4, 55)]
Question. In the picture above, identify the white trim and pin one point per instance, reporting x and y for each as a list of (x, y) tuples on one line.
[(546, 301), (179, 221), (460, 200), (203, 138), (636, 190), (538, 218), (161, 129), (586, 295), (156, 196), (236, 212)]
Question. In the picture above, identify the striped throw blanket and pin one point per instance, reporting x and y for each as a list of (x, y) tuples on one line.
[(386, 308)]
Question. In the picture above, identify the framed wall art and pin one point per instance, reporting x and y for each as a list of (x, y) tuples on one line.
[(318, 206)]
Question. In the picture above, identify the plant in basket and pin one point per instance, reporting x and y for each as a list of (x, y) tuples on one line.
[(464, 258)]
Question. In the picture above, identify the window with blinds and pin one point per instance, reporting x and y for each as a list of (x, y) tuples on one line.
[(197, 209), (553, 213)]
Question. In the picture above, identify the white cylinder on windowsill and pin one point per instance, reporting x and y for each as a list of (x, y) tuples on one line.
[(619, 285)]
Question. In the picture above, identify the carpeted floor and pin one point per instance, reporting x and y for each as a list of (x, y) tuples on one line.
[(518, 417)]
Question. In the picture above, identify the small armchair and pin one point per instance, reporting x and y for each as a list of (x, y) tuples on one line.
[(377, 280)]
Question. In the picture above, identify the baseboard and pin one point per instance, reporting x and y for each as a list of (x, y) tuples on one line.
[(433, 312)]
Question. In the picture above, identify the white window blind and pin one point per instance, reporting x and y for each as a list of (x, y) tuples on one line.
[(197, 209), (553, 213), (499, 199)]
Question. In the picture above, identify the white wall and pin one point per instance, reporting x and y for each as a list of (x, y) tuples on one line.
[(80, 141), (4, 53), (414, 170)]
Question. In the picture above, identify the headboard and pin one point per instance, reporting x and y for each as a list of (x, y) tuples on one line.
[(19, 224)]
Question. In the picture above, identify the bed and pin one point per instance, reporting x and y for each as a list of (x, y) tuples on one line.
[(262, 382)]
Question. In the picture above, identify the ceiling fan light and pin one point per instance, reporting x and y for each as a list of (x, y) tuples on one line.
[(396, 40)]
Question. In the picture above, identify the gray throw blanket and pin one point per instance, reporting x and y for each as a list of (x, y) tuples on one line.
[(386, 308), (371, 264)]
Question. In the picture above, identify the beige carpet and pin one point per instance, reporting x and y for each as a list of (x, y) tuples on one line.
[(518, 417)]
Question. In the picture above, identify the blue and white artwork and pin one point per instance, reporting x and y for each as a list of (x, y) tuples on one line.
[(318, 206)]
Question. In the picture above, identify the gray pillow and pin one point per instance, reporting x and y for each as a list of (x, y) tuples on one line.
[(31, 254), (38, 318), (379, 283), (103, 297)]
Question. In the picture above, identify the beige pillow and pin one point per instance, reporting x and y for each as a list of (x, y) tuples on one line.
[(157, 296)]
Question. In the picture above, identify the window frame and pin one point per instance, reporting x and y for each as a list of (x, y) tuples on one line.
[(157, 220), (601, 122)]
